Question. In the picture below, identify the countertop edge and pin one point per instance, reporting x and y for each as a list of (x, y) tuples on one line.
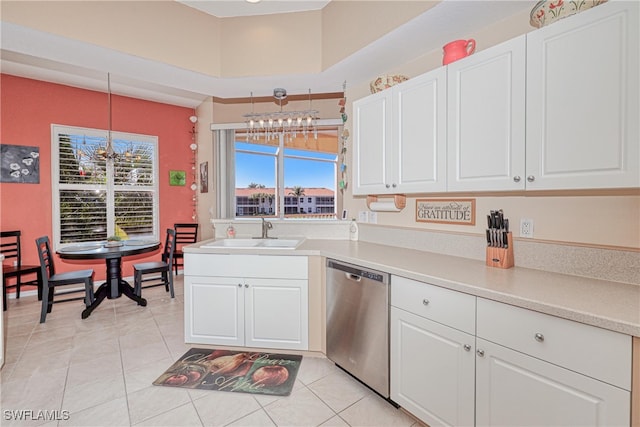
[(531, 290)]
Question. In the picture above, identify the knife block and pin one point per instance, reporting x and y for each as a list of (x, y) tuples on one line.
[(501, 257)]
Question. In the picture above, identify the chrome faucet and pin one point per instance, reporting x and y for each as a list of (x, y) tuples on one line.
[(266, 226)]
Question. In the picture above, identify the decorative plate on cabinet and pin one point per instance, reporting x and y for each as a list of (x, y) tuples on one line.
[(547, 11), (386, 81)]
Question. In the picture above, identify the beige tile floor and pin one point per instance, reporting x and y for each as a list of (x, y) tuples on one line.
[(98, 372)]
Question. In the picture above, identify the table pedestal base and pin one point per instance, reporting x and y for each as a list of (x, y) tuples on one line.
[(113, 288)]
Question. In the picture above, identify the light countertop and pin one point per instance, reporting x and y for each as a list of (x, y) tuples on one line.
[(610, 305)]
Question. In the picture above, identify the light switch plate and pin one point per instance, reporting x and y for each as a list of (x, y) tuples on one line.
[(373, 217), (363, 216)]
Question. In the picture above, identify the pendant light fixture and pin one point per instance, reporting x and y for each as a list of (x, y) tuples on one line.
[(290, 123)]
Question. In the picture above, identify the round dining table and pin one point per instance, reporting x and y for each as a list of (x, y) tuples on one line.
[(112, 252)]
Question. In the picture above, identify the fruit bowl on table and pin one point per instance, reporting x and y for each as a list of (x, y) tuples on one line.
[(113, 244)]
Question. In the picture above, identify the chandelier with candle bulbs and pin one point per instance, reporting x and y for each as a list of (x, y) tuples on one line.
[(291, 124)]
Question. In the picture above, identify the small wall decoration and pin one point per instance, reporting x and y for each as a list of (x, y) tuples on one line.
[(177, 178), (204, 177), (446, 211), (19, 164)]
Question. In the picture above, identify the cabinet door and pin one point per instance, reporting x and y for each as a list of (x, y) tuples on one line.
[(372, 152), (582, 100), (486, 119), (214, 310), (277, 313), (515, 389), (420, 134), (432, 370)]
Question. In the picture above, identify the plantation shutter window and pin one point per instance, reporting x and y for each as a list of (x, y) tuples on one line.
[(95, 197)]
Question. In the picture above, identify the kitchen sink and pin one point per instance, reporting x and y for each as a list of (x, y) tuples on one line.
[(255, 243), (233, 243)]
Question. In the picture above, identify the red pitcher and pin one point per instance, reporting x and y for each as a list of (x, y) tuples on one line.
[(458, 49)]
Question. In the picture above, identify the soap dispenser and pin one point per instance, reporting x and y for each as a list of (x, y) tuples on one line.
[(231, 232), (353, 230)]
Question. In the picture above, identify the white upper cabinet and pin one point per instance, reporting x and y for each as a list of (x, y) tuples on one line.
[(486, 119), (557, 108), (419, 126), (372, 143), (582, 100), (400, 138)]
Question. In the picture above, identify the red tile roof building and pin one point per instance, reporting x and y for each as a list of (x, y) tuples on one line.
[(262, 201)]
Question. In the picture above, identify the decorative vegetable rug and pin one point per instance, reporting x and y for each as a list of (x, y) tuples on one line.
[(226, 370)]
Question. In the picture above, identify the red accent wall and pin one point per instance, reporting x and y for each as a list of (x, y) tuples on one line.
[(27, 110)]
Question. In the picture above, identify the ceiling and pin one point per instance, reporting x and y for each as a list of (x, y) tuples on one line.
[(44, 56), (230, 8)]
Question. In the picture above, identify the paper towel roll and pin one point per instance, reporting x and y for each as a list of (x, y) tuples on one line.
[(383, 206)]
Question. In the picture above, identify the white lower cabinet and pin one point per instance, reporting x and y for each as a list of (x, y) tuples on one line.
[(433, 363), (276, 314), (533, 369), (433, 370), (214, 310), (458, 360), (248, 300), (514, 389)]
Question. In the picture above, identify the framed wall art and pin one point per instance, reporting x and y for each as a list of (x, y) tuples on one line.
[(177, 178), (446, 211), (204, 177), (19, 164)]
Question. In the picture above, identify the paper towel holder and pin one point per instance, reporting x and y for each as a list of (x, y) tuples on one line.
[(398, 203)]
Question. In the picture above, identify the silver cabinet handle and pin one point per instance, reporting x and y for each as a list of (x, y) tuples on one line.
[(387, 185), (531, 178), (480, 352), (466, 347), (516, 178), (246, 285), (239, 285), (394, 185), (539, 337), (425, 302)]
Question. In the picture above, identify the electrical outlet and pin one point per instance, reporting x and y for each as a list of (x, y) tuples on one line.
[(363, 216), (373, 217), (526, 227)]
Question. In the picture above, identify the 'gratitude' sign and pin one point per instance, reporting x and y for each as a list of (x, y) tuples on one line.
[(446, 211)]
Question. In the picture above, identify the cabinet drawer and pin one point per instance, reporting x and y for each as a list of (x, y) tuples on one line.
[(260, 266), (596, 352), (441, 305)]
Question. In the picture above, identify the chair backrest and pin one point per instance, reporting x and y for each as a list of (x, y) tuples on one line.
[(169, 247), (46, 260), (10, 245), (186, 232)]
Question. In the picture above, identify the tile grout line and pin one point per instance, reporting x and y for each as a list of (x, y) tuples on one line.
[(124, 379)]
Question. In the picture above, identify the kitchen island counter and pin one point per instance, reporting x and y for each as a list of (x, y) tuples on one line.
[(606, 304)]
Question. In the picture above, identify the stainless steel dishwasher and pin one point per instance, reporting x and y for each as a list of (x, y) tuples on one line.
[(358, 323)]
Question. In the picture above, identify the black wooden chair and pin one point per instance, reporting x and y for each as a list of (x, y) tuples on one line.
[(11, 249), (186, 234), (163, 267), (50, 280)]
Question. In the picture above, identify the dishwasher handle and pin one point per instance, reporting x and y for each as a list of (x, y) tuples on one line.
[(353, 277)]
